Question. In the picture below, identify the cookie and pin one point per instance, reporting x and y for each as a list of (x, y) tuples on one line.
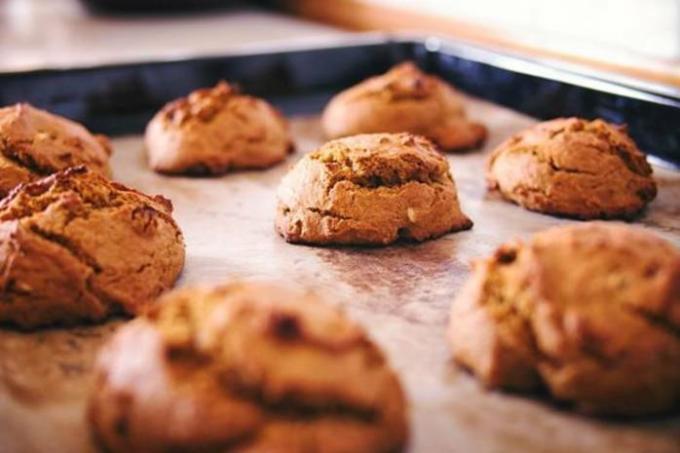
[(246, 367), (575, 168), (214, 130), (590, 312), (404, 99), (35, 143), (370, 189), (76, 247)]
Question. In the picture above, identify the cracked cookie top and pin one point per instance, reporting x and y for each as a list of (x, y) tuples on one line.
[(275, 365), (91, 191), (373, 160), (573, 167), (216, 129), (404, 99), (201, 105), (369, 189), (35, 143), (75, 246), (590, 311), (404, 81)]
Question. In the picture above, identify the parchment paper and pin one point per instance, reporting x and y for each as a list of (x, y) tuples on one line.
[(400, 293)]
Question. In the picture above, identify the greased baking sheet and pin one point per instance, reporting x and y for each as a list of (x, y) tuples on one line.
[(401, 294)]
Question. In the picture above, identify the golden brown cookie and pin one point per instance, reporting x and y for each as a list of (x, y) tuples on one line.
[(590, 311), (369, 189), (77, 247), (35, 143), (214, 130), (246, 367), (404, 99), (573, 167)]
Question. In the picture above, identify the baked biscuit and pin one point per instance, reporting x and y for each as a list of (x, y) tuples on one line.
[(35, 143), (214, 130), (590, 311), (76, 247), (404, 99), (369, 189), (575, 168), (245, 367)]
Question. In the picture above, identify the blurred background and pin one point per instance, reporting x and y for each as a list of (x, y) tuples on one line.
[(635, 38)]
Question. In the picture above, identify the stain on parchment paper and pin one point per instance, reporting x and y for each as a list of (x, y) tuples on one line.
[(50, 365), (414, 281)]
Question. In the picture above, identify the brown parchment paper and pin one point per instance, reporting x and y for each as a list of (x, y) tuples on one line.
[(400, 293)]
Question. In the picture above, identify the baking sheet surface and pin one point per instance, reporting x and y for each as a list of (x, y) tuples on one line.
[(400, 293)]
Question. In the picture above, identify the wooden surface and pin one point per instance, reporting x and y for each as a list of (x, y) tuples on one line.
[(363, 15), (39, 34), (400, 293)]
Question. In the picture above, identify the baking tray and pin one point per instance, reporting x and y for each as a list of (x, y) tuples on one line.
[(121, 98), (401, 293)]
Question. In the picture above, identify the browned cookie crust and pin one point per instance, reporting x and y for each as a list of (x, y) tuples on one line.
[(404, 100), (35, 143), (76, 247), (214, 130), (575, 168), (591, 312), (369, 189), (246, 367)]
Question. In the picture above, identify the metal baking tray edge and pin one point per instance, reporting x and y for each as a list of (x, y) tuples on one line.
[(121, 98)]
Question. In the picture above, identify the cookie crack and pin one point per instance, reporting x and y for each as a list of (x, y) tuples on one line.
[(24, 160), (104, 300), (143, 266), (328, 213), (202, 105), (112, 306), (113, 201), (11, 288), (504, 310), (304, 416), (38, 199), (8, 264), (359, 184), (189, 353), (551, 163), (381, 174), (26, 212), (291, 407), (655, 320), (68, 245), (625, 156), (574, 171), (594, 353), (617, 148)]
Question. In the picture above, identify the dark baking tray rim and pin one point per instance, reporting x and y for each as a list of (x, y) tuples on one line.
[(120, 98)]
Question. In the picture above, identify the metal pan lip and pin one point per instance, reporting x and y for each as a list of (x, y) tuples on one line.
[(550, 69), (427, 48)]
